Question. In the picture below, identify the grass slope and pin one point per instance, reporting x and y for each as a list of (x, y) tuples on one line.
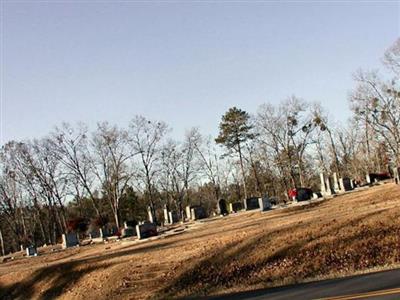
[(348, 234)]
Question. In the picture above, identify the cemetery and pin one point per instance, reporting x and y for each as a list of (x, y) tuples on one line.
[(348, 209), (330, 186), (235, 239)]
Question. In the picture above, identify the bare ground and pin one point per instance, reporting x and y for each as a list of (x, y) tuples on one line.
[(348, 234)]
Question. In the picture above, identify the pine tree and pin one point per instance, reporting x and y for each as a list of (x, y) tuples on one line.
[(234, 131)]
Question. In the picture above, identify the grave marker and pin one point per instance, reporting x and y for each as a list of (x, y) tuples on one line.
[(150, 213), (323, 187), (264, 203), (31, 251), (347, 184), (146, 230), (173, 217), (94, 234), (368, 179), (167, 220), (198, 212), (336, 186), (235, 206), (396, 175), (70, 240), (304, 194), (128, 232), (328, 190), (188, 213), (252, 203), (222, 209)]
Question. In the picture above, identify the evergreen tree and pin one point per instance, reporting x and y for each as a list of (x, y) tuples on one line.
[(234, 131)]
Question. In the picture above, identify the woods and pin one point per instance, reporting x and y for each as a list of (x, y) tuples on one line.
[(112, 174)]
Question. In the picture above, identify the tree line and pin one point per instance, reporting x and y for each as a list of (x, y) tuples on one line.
[(113, 174)]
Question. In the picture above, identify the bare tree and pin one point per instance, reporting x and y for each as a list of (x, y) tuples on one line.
[(377, 103), (112, 163), (391, 58), (146, 138), (181, 164), (287, 131), (70, 147), (11, 202), (209, 162)]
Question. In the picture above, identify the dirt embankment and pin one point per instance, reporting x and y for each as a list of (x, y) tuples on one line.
[(336, 237)]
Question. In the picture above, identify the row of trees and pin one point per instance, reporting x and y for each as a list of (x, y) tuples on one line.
[(114, 174)]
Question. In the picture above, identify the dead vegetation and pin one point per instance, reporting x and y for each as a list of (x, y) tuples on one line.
[(336, 237)]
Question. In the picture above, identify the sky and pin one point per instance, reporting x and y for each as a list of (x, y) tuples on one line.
[(183, 62)]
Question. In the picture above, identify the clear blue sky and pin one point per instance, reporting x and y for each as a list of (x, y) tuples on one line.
[(182, 62)]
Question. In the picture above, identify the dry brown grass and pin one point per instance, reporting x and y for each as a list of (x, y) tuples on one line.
[(341, 236)]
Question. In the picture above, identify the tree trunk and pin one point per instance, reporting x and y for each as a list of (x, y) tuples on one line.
[(242, 169), (3, 251), (116, 217), (336, 159)]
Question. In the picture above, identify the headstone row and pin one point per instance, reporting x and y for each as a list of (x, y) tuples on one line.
[(334, 185), (195, 212), (170, 217), (257, 203)]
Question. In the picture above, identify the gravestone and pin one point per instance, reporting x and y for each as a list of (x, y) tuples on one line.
[(336, 186), (107, 231), (235, 206), (70, 240), (167, 220), (188, 212), (328, 183), (252, 203), (347, 184), (304, 194), (222, 209), (150, 213), (323, 187), (130, 223), (368, 179), (198, 212), (96, 233), (128, 232), (31, 251), (326, 187), (264, 203), (146, 230), (375, 177), (341, 184), (173, 217), (396, 175)]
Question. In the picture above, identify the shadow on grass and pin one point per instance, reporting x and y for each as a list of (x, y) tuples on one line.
[(61, 276), (211, 273)]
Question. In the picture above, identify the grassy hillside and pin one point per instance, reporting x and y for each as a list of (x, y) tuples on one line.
[(352, 233)]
